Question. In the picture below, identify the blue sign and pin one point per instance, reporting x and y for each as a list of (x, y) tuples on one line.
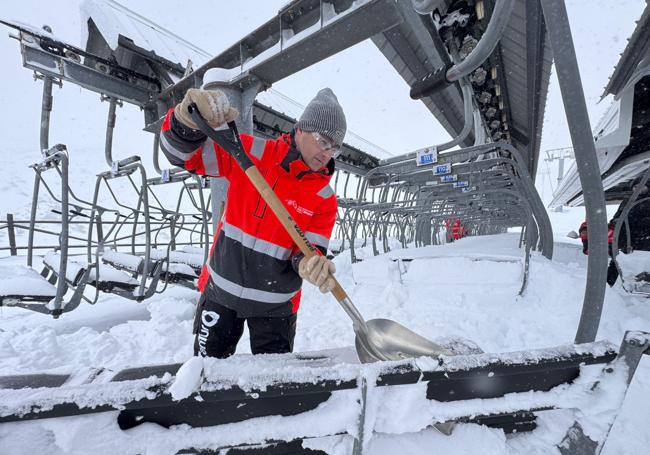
[(461, 184), (442, 169), (426, 156), (448, 178)]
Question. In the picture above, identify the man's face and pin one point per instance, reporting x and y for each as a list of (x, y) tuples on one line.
[(315, 150)]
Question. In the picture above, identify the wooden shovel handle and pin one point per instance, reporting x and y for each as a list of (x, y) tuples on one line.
[(288, 222), (264, 189)]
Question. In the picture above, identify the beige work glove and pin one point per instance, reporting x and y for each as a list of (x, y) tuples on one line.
[(213, 106), (318, 270)]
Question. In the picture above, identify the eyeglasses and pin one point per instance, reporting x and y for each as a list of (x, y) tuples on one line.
[(326, 145)]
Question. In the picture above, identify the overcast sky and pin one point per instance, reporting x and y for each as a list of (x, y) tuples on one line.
[(374, 97)]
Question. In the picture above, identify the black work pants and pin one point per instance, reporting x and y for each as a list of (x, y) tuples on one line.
[(218, 330), (612, 273)]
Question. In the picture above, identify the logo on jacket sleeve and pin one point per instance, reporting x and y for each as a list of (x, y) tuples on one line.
[(299, 209)]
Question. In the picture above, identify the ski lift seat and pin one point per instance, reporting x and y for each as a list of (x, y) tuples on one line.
[(641, 288), (190, 256), (181, 274), (22, 285), (26, 288), (500, 390), (74, 269), (109, 277), (127, 262), (184, 266)]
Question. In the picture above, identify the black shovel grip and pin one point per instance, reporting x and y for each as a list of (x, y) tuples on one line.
[(231, 145)]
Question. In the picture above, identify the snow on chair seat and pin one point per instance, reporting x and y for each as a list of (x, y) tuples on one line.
[(191, 258), (118, 274), (25, 288), (193, 250), (109, 279), (181, 274), (183, 267), (74, 270), (127, 262), (24, 284)]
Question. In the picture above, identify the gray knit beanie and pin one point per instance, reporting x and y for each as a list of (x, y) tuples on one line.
[(324, 115)]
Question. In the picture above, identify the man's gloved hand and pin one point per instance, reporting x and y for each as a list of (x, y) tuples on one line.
[(318, 270), (213, 106)]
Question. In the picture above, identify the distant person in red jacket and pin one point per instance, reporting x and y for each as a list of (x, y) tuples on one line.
[(612, 271), (455, 229), (639, 224), (458, 230), (255, 271)]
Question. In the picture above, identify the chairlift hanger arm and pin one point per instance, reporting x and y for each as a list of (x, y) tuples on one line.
[(59, 48), (45, 54)]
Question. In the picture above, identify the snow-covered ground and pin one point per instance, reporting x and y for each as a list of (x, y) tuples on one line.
[(467, 289)]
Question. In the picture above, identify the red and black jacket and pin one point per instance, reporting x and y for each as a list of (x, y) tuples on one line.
[(252, 268)]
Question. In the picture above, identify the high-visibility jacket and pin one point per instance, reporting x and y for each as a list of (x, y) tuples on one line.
[(252, 268), (584, 236), (455, 229), (458, 230)]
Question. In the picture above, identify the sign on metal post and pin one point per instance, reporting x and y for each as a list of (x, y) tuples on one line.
[(442, 169), (461, 184), (448, 178), (426, 156)]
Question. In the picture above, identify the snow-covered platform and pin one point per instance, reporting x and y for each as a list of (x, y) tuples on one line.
[(306, 397)]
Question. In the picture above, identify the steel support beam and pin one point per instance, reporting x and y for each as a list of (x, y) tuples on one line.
[(575, 107)]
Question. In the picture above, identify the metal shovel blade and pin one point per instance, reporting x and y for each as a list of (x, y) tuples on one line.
[(394, 342)]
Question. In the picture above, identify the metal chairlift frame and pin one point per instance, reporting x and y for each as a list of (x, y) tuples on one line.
[(554, 17)]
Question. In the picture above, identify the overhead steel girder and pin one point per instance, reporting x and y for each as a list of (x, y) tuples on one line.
[(451, 157), (293, 41)]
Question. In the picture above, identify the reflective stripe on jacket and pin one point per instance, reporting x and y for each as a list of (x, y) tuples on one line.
[(250, 267)]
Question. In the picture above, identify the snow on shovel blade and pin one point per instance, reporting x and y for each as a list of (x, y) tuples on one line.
[(395, 342)]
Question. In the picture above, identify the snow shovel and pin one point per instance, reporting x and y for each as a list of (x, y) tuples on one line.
[(377, 339)]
